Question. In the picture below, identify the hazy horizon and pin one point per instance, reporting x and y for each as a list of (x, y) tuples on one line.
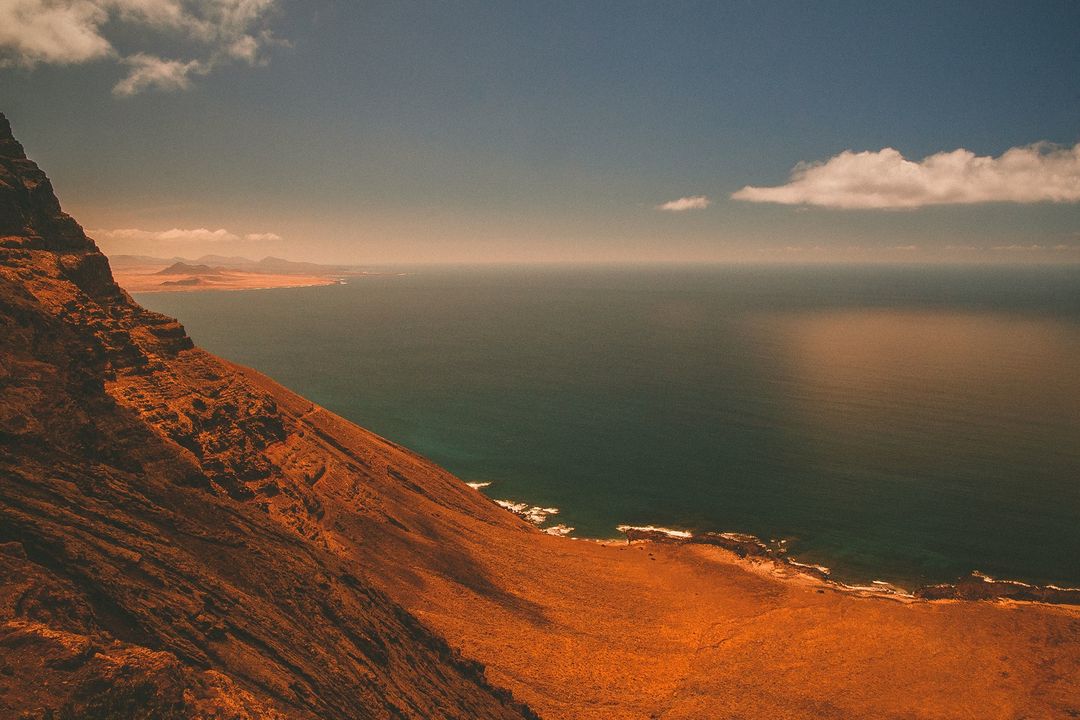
[(810, 260)]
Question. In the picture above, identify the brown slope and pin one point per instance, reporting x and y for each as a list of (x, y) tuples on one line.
[(578, 629), (137, 576), (587, 630)]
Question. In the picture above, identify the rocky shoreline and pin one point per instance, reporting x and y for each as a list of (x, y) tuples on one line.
[(976, 586)]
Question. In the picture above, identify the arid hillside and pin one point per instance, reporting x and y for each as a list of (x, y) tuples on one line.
[(182, 537), (141, 573)]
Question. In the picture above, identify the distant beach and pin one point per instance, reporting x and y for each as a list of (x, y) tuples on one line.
[(146, 274), (148, 280)]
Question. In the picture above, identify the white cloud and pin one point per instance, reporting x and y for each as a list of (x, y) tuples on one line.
[(219, 235), (149, 71), (33, 31), (76, 31), (184, 235), (177, 235), (886, 180), (182, 242), (1018, 248), (694, 202)]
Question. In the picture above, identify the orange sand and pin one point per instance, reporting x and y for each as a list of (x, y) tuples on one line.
[(139, 279)]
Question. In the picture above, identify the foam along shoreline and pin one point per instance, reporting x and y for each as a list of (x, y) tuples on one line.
[(773, 555), (667, 532), (533, 514), (979, 586), (536, 515), (976, 586)]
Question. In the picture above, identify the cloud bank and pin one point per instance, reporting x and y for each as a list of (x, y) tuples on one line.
[(180, 235), (262, 237), (694, 202), (65, 32), (173, 235), (886, 180), (148, 71), (186, 242)]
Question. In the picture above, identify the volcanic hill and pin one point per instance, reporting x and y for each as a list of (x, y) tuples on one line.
[(182, 268), (181, 537), (155, 561)]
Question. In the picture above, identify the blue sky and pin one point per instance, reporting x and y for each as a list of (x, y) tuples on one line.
[(379, 132)]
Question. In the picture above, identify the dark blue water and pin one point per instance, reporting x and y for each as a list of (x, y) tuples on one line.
[(910, 424)]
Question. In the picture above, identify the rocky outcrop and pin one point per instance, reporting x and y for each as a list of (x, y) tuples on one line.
[(975, 586), (978, 586), (156, 560)]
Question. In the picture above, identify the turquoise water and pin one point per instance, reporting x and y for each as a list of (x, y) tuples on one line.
[(909, 424)]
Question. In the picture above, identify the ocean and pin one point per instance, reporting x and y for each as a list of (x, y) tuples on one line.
[(909, 424)]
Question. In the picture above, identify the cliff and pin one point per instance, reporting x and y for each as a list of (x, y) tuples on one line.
[(143, 571), (182, 537)]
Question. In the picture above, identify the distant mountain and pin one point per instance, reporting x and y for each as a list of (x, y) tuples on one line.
[(268, 265), (181, 268), (288, 267), (274, 265), (229, 261), (129, 261)]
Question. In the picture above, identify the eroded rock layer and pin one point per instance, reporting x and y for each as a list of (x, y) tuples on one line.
[(155, 562)]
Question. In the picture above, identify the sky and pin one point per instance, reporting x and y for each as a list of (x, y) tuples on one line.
[(385, 132)]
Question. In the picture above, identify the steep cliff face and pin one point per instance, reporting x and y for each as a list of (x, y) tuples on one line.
[(156, 560)]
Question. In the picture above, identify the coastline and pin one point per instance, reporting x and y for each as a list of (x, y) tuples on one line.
[(974, 587), (772, 559), (150, 281)]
